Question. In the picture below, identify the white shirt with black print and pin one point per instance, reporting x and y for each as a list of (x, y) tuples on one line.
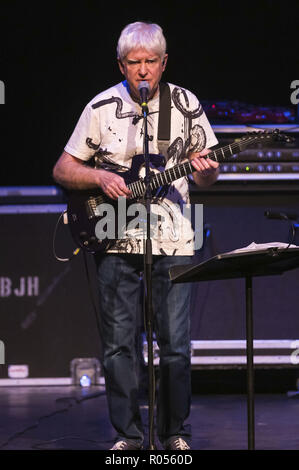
[(110, 130)]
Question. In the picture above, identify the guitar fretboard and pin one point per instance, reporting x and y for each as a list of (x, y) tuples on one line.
[(184, 169)]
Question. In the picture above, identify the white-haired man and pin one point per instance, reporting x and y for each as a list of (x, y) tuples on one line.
[(110, 130)]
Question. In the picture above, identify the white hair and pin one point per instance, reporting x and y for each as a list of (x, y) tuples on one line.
[(141, 35)]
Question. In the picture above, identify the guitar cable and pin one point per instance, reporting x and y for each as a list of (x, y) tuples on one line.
[(76, 250), (70, 401), (75, 253)]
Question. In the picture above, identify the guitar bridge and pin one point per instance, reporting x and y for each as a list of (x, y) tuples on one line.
[(91, 207), (92, 204)]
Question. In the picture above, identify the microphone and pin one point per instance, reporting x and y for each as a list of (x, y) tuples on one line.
[(144, 89), (281, 215)]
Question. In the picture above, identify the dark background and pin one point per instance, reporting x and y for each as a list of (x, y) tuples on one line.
[(56, 56)]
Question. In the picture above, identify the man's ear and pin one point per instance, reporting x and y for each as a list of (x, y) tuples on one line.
[(164, 61), (121, 66)]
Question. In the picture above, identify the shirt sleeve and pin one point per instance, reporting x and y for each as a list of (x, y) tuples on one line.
[(202, 135), (211, 139), (85, 139)]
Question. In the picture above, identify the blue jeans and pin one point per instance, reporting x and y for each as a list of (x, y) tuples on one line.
[(119, 291)]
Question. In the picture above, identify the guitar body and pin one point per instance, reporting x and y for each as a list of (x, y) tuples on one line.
[(82, 206), (81, 224)]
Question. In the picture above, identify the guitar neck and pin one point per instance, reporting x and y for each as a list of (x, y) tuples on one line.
[(184, 169)]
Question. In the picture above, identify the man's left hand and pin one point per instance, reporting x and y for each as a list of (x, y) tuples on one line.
[(204, 166)]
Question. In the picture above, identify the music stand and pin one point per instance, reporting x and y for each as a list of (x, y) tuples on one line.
[(242, 264)]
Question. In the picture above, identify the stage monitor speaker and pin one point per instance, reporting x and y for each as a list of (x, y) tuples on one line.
[(233, 220), (47, 317)]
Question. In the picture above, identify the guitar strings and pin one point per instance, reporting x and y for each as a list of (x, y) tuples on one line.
[(138, 187)]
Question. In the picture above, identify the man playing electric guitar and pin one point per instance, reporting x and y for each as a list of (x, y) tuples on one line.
[(110, 129)]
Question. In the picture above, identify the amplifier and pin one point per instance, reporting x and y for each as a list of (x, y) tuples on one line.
[(259, 170), (32, 195), (267, 161), (260, 167), (47, 315)]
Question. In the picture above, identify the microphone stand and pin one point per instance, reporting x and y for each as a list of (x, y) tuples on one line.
[(148, 285)]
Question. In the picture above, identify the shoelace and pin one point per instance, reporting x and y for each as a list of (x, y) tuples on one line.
[(180, 444), (119, 445)]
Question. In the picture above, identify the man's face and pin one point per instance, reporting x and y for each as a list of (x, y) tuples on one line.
[(139, 65)]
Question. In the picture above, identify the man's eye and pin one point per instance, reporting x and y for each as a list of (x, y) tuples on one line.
[(137, 62)]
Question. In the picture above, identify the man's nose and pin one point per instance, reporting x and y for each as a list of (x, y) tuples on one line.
[(143, 69)]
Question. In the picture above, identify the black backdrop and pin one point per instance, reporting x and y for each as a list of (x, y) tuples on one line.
[(55, 56)]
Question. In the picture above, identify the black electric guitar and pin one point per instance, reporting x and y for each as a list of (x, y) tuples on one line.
[(84, 206)]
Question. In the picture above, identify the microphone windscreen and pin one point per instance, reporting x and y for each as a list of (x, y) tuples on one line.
[(143, 84)]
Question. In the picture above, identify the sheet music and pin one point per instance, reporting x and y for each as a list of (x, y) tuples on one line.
[(262, 246)]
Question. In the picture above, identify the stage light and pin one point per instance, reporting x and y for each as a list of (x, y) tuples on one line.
[(85, 381), (85, 371)]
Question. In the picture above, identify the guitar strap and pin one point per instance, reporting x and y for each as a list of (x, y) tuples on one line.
[(164, 119)]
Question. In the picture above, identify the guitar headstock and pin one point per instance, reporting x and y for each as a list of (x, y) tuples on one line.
[(275, 135)]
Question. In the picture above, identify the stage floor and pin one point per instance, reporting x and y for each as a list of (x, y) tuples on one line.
[(68, 417)]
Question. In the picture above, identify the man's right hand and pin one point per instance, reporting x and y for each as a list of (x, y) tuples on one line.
[(113, 185), (72, 173)]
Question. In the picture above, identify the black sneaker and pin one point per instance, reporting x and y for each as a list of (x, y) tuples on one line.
[(177, 443), (125, 445)]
